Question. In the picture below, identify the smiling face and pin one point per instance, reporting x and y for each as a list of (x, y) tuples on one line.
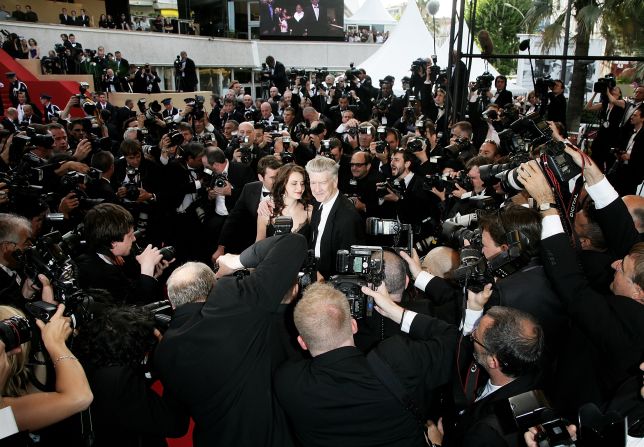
[(295, 186), (323, 186)]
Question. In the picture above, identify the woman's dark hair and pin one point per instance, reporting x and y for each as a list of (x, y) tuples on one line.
[(279, 187), (514, 217), (117, 336)]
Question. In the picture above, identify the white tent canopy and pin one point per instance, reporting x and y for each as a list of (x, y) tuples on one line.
[(408, 41), (371, 13)]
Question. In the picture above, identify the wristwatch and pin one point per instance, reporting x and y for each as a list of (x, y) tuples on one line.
[(547, 206)]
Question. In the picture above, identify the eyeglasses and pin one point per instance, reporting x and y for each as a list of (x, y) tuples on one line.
[(473, 338), (357, 164)]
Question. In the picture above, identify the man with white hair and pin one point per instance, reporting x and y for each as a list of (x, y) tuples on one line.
[(336, 224)]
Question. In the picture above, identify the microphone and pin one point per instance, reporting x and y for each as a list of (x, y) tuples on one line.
[(487, 47), (524, 45), (432, 7)]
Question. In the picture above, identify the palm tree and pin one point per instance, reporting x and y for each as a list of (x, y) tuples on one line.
[(587, 14)]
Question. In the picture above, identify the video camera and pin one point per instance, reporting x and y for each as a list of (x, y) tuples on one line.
[(605, 83), (359, 267), (484, 82)]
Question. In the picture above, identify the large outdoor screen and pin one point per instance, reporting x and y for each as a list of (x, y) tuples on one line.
[(301, 19)]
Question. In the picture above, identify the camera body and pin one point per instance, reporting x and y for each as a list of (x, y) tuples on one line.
[(358, 267), (605, 83)]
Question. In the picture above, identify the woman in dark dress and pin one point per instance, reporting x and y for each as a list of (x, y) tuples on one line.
[(291, 195)]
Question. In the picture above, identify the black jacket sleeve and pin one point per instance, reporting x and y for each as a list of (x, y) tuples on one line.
[(618, 227)]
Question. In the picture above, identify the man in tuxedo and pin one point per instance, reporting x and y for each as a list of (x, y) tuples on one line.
[(235, 406), (82, 19), (121, 67), (240, 228), (102, 189), (502, 96), (10, 121), (220, 201), (411, 201), (278, 74), (15, 234), (63, 17), (111, 83), (188, 73), (102, 103), (16, 86), (629, 173), (336, 224), (315, 19), (24, 107), (318, 408)]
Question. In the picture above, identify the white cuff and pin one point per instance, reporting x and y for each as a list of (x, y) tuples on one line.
[(408, 318), (8, 424), (551, 225), (602, 193), (423, 279), (466, 195), (471, 319), (197, 184)]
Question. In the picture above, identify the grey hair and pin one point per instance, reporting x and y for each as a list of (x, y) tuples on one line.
[(10, 225), (322, 164), (190, 283), (128, 131)]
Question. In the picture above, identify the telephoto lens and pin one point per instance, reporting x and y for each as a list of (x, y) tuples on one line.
[(14, 331)]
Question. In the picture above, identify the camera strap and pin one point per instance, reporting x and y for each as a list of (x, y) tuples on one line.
[(386, 376)]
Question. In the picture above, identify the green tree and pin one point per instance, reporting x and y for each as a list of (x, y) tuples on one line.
[(621, 24), (503, 20)]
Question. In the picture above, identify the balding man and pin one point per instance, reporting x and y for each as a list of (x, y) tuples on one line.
[(635, 205), (266, 111), (319, 409), (188, 287)]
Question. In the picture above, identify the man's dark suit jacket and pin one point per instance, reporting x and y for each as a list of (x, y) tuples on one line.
[(63, 19), (229, 343), (505, 97), (321, 394), (189, 81), (344, 227), (612, 325), (315, 27), (98, 274), (149, 172), (10, 291), (478, 426), (240, 228), (278, 78)]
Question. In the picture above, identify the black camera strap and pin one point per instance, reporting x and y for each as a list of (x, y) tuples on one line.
[(386, 376)]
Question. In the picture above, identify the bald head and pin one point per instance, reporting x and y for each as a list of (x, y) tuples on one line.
[(190, 283), (441, 261), (635, 205), (396, 279)]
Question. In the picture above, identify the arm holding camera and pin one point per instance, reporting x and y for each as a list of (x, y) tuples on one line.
[(83, 149), (73, 394)]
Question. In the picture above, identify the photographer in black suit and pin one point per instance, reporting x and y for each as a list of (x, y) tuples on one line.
[(278, 74), (229, 342), (319, 409), (611, 325), (240, 227), (336, 223), (187, 73)]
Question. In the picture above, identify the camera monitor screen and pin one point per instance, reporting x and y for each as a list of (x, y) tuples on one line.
[(301, 19)]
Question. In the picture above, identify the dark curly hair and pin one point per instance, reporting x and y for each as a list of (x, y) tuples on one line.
[(118, 336), (279, 187)]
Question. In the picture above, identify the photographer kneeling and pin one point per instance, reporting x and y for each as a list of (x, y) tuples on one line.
[(110, 237)]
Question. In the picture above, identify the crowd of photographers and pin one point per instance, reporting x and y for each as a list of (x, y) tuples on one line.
[(477, 282)]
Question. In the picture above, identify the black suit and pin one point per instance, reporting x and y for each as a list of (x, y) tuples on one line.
[(240, 228), (321, 394), (502, 98), (344, 227), (10, 291), (229, 342), (479, 426), (98, 274), (315, 27), (63, 19), (82, 21), (278, 77), (613, 327), (189, 76)]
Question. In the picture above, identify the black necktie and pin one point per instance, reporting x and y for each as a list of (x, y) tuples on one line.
[(265, 193), (315, 223)]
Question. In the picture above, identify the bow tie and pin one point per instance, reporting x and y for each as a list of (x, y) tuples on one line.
[(265, 193)]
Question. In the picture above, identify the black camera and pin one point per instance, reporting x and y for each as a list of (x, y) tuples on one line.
[(541, 85), (381, 147), (14, 331), (219, 181), (283, 225), (132, 185), (391, 185), (460, 145), (417, 144), (358, 267), (484, 81), (605, 83), (176, 138)]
